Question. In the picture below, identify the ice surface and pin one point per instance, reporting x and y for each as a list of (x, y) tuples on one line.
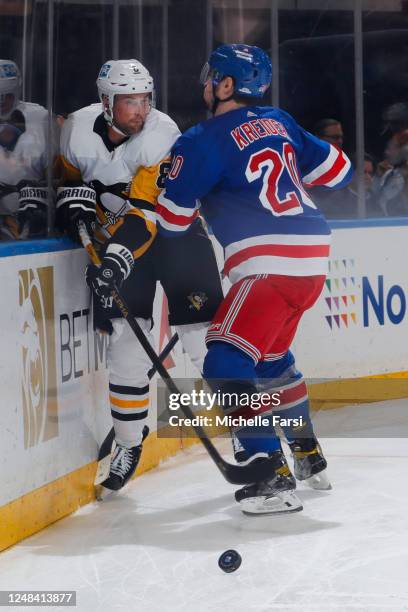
[(155, 546)]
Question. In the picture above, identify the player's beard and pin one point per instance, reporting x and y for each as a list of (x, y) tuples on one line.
[(209, 102), (209, 105), (134, 126)]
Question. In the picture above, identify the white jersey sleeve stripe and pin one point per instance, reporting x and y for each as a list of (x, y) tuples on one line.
[(338, 179), (322, 168)]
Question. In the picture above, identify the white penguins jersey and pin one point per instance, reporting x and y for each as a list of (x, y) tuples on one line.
[(22, 151), (133, 170)]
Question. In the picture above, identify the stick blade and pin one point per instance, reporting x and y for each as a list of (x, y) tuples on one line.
[(255, 471)]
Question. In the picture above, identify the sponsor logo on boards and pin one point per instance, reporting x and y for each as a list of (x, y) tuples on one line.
[(38, 354)]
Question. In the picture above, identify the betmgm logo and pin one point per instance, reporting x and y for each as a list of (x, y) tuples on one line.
[(38, 352)]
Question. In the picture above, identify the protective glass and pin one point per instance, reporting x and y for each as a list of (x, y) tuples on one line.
[(7, 103)]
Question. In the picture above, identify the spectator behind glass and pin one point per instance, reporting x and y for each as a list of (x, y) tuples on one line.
[(391, 181), (23, 156), (343, 204), (369, 170), (395, 118), (329, 130)]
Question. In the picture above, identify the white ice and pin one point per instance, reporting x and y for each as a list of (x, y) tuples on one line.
[(155, 546)]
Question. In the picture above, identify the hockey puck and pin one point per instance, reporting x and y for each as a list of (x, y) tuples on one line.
[(230, 561)]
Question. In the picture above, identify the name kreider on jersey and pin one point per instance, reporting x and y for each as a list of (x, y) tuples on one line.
[(255, 129)]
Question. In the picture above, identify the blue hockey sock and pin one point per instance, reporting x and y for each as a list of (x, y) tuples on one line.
[(294, 410), (298, 422), (229, 370)]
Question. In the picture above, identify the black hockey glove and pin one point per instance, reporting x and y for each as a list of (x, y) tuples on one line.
[(76, 203), (32, 210), (114, 269)]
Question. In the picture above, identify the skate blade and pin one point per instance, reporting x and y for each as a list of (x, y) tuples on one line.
[(102, 493), (282, 503), (102, 470), (319, 482)]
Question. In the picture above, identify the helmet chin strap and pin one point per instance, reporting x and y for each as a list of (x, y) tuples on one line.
[(108, 114), (218, 101), (117, 130), (110, 121)]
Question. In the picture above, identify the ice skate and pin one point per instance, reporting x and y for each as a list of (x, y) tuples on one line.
[(310, 464), (123, 464), (273, 496)]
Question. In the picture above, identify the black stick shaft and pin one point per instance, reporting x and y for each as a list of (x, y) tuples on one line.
[(169, 382), (165, 353)]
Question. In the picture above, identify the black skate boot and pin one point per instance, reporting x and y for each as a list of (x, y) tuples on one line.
[(272, 496), (124, 462), (309, 463)]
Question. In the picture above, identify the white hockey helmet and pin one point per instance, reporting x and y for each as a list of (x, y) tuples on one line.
[(10, 83), (121, 77)]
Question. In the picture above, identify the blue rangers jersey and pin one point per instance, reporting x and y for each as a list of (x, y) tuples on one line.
[(248, 171)]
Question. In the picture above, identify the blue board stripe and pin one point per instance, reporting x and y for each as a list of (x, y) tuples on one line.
[(29, 247), (51, 245), (374, 222)]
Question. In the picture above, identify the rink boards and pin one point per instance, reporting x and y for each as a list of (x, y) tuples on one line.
[(53, 366)]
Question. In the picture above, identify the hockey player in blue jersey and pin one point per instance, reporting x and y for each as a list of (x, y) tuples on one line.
[(247, 170)]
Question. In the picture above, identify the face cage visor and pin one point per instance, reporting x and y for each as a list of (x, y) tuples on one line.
[(145, 103), (206, 73), (209, 73)]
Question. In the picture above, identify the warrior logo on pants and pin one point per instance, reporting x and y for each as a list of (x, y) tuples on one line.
[(39, 379)]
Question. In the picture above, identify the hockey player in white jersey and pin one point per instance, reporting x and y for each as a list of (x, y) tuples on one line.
[(23, 128), (115, 159)]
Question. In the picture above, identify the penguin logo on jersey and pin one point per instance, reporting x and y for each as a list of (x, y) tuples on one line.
[(38, 352), (197, 300), (112, 200)]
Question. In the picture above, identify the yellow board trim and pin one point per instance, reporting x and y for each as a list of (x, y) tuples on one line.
[(36, 510), (333, 394)]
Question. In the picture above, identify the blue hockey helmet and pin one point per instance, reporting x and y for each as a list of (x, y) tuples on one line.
[(249, 66)]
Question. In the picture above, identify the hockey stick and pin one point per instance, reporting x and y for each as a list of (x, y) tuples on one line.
[(103, 459), (165, 353), (24, 232), (105, 449), (255, 471)]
